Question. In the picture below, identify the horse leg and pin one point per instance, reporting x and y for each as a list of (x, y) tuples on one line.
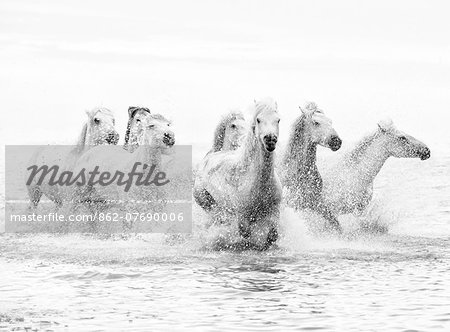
[(35, 194), (244, 230), (58, 203), (272, 237), (204, 199), (331, 218)]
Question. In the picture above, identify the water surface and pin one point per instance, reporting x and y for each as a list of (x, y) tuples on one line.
[(369, 281)]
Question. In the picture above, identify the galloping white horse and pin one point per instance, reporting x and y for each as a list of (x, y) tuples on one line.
[(242, 183), (348, 185), (134, 127), (302, 183), (98, 130), (229, 132), (157, 139)]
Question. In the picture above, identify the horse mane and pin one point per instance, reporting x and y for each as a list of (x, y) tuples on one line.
[(298, 126), (296, 138), (157, 116), (219, 133), (311, 108), (132, 111), (81, 143), (362, 146), (261, 106), (266, 104), (101, 110), (82, 139)]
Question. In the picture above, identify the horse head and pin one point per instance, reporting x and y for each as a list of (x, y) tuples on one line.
[(100, 127), (156, 132), (265, 125), (229, 132), (402, 145), (319, 127), (134, 125)]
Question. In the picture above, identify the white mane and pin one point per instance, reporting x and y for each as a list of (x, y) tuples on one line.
[(386, 124)]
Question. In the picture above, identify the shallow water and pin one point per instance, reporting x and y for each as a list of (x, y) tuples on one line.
[(369, 281)]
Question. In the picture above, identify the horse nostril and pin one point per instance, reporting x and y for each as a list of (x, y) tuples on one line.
[(270, 138), (112, 137), (335, 143), (270, 142), (425, 154), (169, 139)]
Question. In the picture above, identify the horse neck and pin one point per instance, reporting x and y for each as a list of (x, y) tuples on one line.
[(132, 142), (300, 157), (226, 146), (370, 162), (256, 157), (147, 154)]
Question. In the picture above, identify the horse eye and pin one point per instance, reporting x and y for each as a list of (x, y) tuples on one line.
[(96, 121), (278, 120), (138, 120), (403, 138), (315, 123), (258, 120), (151, 126), (233, 126)]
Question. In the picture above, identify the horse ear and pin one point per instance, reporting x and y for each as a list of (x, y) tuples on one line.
[(131, 110), (88, 113), (301, 109), (385, 125)]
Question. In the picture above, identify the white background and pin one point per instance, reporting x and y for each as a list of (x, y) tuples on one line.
[(194, 60)]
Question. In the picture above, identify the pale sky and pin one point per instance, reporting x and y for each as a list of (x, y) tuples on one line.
[(193, 61)]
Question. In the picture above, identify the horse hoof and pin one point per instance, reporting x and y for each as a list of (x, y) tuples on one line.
[(272, 237)]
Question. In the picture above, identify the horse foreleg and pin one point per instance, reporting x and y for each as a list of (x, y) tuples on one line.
[(204, 199), (272, 237), (35, 194), (332, 220), (244, 228)]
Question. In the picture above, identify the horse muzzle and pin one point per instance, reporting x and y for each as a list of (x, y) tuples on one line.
[(424, 153), (270, 142), (335, 143), (112, 138), (169, 139)]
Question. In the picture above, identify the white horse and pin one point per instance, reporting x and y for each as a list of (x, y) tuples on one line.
[(156, 140), (242, 183), (302, 183), (134, 127), (348, 185), (229, 132), (98, 130)]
